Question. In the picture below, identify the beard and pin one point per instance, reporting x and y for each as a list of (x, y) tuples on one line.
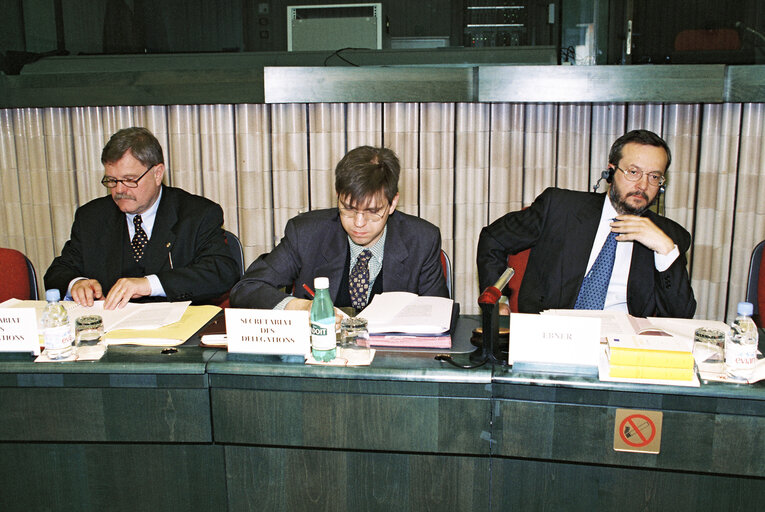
[(621, 205)]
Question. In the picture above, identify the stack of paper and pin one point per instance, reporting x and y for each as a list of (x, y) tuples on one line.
[(403, 319), (651, 357)]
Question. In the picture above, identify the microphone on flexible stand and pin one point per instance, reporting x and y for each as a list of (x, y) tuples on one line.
[(488, 301)]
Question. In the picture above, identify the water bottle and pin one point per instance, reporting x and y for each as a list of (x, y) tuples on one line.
[(56, 329), (741, 345), (323, 338)]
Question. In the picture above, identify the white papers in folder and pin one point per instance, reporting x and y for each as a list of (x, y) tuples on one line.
[(133, 316), (409, 313)]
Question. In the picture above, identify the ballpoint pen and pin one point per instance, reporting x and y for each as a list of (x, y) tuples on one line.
[(308, 289)]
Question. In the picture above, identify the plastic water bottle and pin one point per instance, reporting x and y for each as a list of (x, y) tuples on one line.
[(323, 338), (56, 329), (741, 345)]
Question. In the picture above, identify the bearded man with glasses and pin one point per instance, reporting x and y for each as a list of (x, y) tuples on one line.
[(144, 241), (599, 251), (364, 246)]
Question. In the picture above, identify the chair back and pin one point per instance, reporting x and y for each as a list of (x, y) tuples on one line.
[(235, 246), (755, 286), (446, 264), (518, 261), (17, 275)]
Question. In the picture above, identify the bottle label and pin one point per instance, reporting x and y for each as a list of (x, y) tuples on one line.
[(58, 337), (323, 336)]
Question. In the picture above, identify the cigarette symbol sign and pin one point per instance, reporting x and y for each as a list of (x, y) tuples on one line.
[(637, 431)]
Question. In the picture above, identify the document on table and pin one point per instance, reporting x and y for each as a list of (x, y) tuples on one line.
[(133, 316), (409, 313)]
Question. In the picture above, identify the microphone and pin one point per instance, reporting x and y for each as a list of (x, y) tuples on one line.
[(493, 293), (603, 176), (489, 351)]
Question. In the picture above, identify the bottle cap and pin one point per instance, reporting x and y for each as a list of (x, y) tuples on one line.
[(745, 308), (321, 283), (53, 295)]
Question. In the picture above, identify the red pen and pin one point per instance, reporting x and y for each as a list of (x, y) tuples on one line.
[(308, 289)]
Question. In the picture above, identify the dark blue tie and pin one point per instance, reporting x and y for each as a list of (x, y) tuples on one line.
[(592, 294), (359, 280)]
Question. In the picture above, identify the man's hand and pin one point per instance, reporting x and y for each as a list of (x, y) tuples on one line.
[(642, 230), (85, 291), (125, 289), (305, 305)]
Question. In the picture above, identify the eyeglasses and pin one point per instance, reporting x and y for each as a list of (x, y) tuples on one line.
[(110, 182), (655, 179), (369, 215)]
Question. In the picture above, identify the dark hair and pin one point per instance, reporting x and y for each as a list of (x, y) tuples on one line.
[(365, 171), (644, 137), (141, 142)]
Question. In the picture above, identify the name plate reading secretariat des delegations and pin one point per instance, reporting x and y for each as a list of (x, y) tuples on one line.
[(267, 331), (18, 330), (555, 340)]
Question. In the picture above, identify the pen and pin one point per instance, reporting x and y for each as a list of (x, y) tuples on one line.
[(308, 289), (170, 257)]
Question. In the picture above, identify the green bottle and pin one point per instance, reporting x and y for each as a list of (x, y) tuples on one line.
[(323, 338)]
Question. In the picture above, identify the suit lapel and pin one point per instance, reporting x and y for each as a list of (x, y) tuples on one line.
[(163, 236), (113, 247), (583, 228), (395, 273), (332, 255)]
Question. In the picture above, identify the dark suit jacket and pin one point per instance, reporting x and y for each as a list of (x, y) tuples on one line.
[(187, 227), (560, 228), (315, 244)]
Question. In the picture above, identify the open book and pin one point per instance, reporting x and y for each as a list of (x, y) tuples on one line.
[(405, 312)]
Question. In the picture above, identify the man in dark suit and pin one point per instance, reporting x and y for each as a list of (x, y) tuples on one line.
[(566, 231), (145, 240), (364, 235)]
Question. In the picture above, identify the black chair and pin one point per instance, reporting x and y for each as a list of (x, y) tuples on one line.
[(235, 245), (753, 283)]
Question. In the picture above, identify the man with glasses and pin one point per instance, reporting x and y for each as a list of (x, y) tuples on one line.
[(364, 246), (144, 240), (599, 251)]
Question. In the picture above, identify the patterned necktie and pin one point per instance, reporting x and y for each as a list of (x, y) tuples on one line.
[(592, 294), (139, 238), (359, 280)]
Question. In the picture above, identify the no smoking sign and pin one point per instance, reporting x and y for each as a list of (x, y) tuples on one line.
[(637, 431)]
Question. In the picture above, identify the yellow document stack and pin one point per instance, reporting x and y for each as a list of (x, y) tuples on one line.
[(651, 357)]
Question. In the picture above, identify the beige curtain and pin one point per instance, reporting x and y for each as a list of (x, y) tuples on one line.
[(463, 166)]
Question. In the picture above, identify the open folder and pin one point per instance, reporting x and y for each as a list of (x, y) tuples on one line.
[(193, 319)]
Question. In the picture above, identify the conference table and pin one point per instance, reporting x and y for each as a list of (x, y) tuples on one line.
[(194, 428)]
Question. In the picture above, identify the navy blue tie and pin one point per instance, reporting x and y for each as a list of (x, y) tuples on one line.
[(359, 280), (592, 294)]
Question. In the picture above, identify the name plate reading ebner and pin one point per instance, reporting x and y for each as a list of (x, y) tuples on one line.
[(268, 331), (556, 340), (18, 330)]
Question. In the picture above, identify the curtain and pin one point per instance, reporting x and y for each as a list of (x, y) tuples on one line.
[(463, 165)]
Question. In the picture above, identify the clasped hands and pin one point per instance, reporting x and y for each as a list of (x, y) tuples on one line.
[(85, 291)]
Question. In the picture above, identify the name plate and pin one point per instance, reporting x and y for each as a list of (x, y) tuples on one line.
[(18, 330), (554, 340), (267, 331)]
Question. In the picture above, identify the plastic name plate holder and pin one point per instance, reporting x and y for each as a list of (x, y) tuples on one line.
[(268, 331), (562, 344), (18, 330)]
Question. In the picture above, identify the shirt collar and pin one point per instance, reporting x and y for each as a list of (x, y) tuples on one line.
[(147, 217), (378, 249)]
